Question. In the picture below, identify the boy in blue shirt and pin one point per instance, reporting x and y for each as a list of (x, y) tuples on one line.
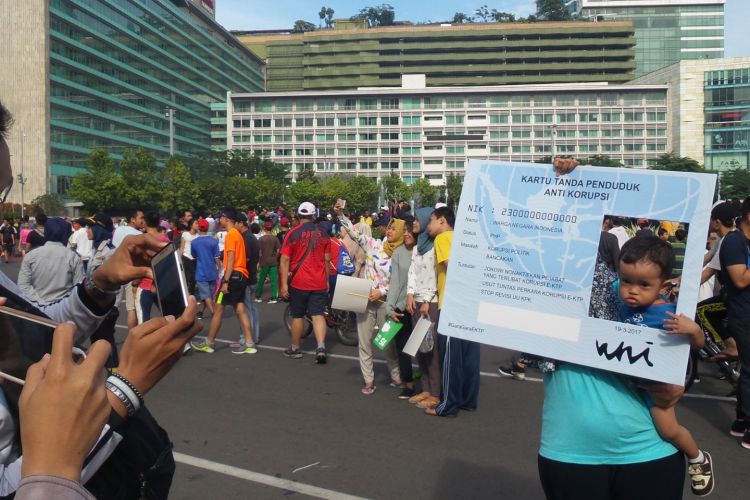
[(645, 267)]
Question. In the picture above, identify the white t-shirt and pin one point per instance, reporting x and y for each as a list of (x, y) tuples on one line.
[(80, 241), (221, 236), (622, 235), (121, 232), (188, 238)]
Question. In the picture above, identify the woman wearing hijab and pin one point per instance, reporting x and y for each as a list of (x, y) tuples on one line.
[(49, 273), (421, 300), (378, 271), (395, 305)]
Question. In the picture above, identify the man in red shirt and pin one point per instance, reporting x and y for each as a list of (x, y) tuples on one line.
[(304, 279), (232, 292)]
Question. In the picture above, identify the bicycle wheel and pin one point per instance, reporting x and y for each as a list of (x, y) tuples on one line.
[(346, 327)]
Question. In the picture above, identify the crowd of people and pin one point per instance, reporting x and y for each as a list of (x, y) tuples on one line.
[(76, 271)]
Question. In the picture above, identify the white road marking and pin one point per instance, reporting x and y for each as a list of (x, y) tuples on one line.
[(305, 467), (257, 477)]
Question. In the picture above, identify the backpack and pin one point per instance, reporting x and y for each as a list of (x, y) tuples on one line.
[(345, 265)]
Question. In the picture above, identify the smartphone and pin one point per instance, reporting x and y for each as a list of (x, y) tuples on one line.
[(341, 203), (170, 281), (24, 339)]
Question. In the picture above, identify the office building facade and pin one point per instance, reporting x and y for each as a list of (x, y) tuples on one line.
[(666, 31), (83, 74), (434, 132), (710, 110), (353, 56)]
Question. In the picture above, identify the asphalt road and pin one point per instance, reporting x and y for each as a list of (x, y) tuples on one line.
[(263, 426)]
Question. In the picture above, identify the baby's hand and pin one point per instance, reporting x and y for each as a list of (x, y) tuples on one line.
[(682, 325)]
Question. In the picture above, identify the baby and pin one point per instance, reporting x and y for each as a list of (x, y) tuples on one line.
[(645, 267)]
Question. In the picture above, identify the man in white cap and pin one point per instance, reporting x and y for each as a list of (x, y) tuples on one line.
[(303, 272)]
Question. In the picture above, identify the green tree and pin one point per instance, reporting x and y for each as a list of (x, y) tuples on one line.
[(306, 173), (483, 13), (361, 193), (461, 18), (143, 180), (602, 161), (503, 17), (552, 10), (394, 189), (326, 16), (180, 192), (380, 15), (670, 161), (424, 193), (453, 186), (735, 184), (300, 26), (303, 190), (50, 204), (266, 192), (100, 188)]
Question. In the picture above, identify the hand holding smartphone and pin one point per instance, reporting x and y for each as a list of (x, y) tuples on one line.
[(341, 203), (170, 281)]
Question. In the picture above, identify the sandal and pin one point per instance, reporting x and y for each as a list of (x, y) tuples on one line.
[(428, 403), (368, 390), (419, 397)]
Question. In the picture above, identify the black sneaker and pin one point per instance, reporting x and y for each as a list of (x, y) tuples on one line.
[(515, 371), (406, 393), (746, 440), (702, 476), (320, 356), (292, 353), (739, 427)]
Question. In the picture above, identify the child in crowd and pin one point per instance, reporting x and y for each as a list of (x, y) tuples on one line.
[(645, 267)]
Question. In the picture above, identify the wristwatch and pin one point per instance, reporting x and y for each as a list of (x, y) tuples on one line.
[(97, 293)]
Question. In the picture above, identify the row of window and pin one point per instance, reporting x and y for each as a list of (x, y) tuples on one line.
[(451, 102), (411, 121), (416, 136), (461, 150)]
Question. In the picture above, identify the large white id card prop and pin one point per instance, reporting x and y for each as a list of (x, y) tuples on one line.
[(524, 252)]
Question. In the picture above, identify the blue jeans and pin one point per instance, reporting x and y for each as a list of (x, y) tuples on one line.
[(252, 312), (147, 301)]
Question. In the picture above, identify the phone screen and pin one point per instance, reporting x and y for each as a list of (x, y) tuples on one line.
[(24, 339), (170, 281)]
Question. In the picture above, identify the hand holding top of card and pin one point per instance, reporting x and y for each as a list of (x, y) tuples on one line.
[(63, 407)]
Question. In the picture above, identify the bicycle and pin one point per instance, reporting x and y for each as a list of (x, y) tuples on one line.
[(344, 323)]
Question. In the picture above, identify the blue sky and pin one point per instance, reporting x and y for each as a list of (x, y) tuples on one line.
[(254, 14)]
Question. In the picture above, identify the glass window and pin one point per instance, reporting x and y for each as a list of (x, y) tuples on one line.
[(521, 118), (326, 104), (304, 105), (498, 149), (389, 103), (433, 102), (498, 134), (389, 120), (412, 102), (411, 120), (499, 101), (566, 118), (454, 119), (347, 121), (454, 102), (542, 118), (325, 122), (412, 136), (521, 134), (303, 122), (368, 104), (368, 121), (455, 150), (283, 123), (264, 106), (498, 118), (412, 165)]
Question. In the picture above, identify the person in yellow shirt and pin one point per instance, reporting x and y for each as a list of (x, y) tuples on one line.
[(366, 218), (460, 357)]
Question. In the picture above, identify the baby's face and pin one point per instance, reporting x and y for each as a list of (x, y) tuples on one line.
[(640, 283)]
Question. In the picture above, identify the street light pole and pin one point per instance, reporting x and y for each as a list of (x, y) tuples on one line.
[(21, 177), (170, 114)]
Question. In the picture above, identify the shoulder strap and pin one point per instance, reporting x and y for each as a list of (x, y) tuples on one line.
[(307, 251)]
